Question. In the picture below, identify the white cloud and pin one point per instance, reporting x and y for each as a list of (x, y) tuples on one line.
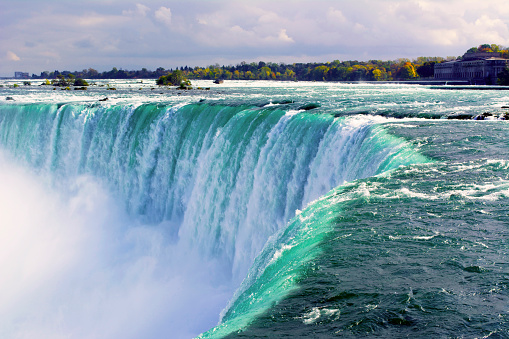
[(336, 16), (11, 56), (283, 36), (444, 37), (491, 29), (102, 35), (91, 20), (141, 10), (163, 14)]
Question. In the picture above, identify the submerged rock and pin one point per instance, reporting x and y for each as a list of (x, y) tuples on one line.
[(310, 106), (483, 116), (460, 116)]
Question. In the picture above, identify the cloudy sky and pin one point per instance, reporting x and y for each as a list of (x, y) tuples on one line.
[(39, 35)]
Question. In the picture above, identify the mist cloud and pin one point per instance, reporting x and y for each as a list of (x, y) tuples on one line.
[(75, 266)]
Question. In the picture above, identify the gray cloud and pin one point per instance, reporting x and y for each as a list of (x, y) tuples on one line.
[(135, 34)]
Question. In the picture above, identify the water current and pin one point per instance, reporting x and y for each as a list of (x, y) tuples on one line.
[(253, 209)]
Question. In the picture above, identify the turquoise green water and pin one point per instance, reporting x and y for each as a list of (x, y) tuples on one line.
[(281, 222), (418, 251)]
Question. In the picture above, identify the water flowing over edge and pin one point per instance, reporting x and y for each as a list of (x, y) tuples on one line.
[(220, 179)]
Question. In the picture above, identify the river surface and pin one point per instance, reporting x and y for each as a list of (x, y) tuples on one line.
[(253, 209)]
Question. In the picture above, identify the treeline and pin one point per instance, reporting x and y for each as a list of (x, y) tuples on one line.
[(115, 73), (487, 48), (373, 70)]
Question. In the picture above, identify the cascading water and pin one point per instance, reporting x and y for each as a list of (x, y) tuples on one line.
[(156, 212), (215, 181), (224, 178)]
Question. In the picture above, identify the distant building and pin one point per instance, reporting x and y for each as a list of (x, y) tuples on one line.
[(21, 75), (477, 68)]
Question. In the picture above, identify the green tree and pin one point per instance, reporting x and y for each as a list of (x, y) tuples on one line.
[(80, 82), (472, 50), (175, 78), (289, 74), (427, 69), (265, 72), (503, 77), (61, 81), (320, 73), (250, 75)]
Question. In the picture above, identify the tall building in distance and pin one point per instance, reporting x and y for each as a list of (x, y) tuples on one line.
[(481, 68), (21, 75)]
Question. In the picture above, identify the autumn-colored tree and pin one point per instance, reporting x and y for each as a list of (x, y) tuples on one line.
[(496, 48), (377, 74), (264, 73), (407, 71), (485, 48), (372, 70)]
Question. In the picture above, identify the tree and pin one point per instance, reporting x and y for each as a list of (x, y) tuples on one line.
[(319, 73), (92, 73), (289, 74), (176, 78), (377, 74), (472, 50), (264, 73), (485, 48), (80, 82), (496, 48), (407, 71), (503, 77), (427, 70), (61, 81)]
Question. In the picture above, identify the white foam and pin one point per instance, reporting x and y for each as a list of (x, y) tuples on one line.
[(316, 313)]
